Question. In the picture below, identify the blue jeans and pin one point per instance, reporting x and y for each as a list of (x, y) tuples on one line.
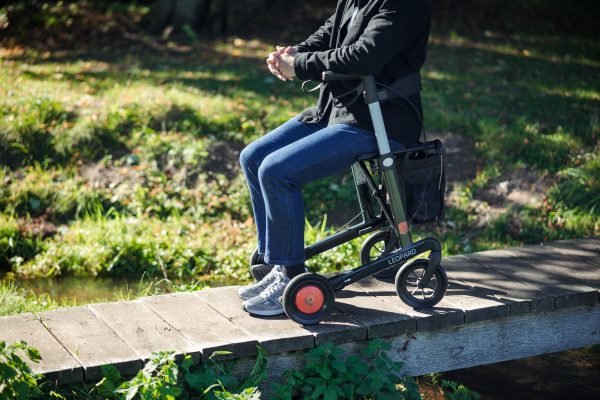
[(279, 163)]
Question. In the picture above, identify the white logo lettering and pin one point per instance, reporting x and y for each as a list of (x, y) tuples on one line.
[(402, 256)]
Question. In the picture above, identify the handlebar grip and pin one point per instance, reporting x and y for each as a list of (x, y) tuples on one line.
[(330, 76)]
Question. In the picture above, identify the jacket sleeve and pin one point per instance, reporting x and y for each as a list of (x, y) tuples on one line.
[(318, 41), (394, 26)]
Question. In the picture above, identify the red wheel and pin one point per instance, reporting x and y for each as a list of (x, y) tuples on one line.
[(308, 299)]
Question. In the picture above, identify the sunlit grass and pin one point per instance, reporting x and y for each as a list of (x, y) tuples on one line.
[(114, 148)]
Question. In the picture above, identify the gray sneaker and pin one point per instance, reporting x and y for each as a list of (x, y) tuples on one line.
[(268, 302), (254, 289)]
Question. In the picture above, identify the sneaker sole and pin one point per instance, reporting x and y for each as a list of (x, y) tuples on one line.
[(264, 313)]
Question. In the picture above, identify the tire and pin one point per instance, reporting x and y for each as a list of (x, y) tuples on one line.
[(308, 299), (258, 270), (253, 257), (378, 245), (406, 285)]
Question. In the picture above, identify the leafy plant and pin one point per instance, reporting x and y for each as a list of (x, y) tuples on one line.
[(215, 380), (14, 300), (455, 391), (162, 378), (17, 381), (157, 380), (328, 375)]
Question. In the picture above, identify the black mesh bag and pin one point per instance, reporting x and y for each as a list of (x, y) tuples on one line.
[(425, 183)]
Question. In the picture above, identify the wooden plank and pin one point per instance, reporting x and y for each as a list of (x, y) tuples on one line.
[(427, 319), (90, 341), (57, 364), (567, 291), (469, 345), (592, 243), (379, 317), (143, 330), (475, 304), (558, 264), (586, 250), (274, 334), (207, 330), (499, 340), (338, 328), (520, 296)]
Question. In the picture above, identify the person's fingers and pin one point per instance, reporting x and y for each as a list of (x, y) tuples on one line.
[(274, 70), (272, 58)]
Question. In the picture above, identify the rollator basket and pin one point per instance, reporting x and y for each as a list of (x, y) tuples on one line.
[(425, 183)]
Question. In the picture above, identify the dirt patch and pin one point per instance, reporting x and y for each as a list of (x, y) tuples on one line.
[(99, 175), (223, 159), (516, 188), (39, 227), (461, 161), (519, 187)]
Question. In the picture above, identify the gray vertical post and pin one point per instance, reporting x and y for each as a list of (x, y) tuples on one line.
[(387, 162)]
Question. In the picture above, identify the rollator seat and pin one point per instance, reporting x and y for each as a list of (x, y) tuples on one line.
[(435, 144)]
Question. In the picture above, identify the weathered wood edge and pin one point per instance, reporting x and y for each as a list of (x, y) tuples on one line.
[(469, 345), (69, 369), (92, 370)]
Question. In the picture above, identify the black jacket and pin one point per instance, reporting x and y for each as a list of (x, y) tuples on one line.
[(388, 39)]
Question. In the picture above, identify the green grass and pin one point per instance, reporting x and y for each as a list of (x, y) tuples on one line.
[(16, 301), (122, 150)]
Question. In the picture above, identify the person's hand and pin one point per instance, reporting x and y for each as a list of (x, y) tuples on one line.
[(285, 63), (282, 58), (272, 64)]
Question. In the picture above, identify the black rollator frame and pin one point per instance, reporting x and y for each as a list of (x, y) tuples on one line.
[(393, 215), (310, 297)]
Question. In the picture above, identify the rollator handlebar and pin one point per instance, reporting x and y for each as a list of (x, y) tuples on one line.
[(368, 83), (330, 76)]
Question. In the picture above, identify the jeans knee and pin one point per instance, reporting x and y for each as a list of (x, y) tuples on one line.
[(273, 171), (247, 158)]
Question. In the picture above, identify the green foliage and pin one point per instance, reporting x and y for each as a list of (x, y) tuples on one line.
[(149, 136), (59, 194), (122, 246), (158, 380), (162, 378), (215, 380), (99, 135), (339, 258), (328, 375), (17, 381), (27, 130), (16, 246), (576, 196), (455, 391), (16, 301)]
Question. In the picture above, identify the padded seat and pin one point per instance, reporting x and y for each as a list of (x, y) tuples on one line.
[(407, 149)]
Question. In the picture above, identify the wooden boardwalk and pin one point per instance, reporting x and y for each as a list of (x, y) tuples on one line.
[(500, 305)]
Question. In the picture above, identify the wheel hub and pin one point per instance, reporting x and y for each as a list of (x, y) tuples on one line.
[(309, 299)]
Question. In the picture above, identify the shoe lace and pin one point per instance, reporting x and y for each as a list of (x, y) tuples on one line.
[(274, 287)]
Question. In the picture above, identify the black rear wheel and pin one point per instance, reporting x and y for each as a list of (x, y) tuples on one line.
[(413, 293), (258, 269), (377, 245)]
